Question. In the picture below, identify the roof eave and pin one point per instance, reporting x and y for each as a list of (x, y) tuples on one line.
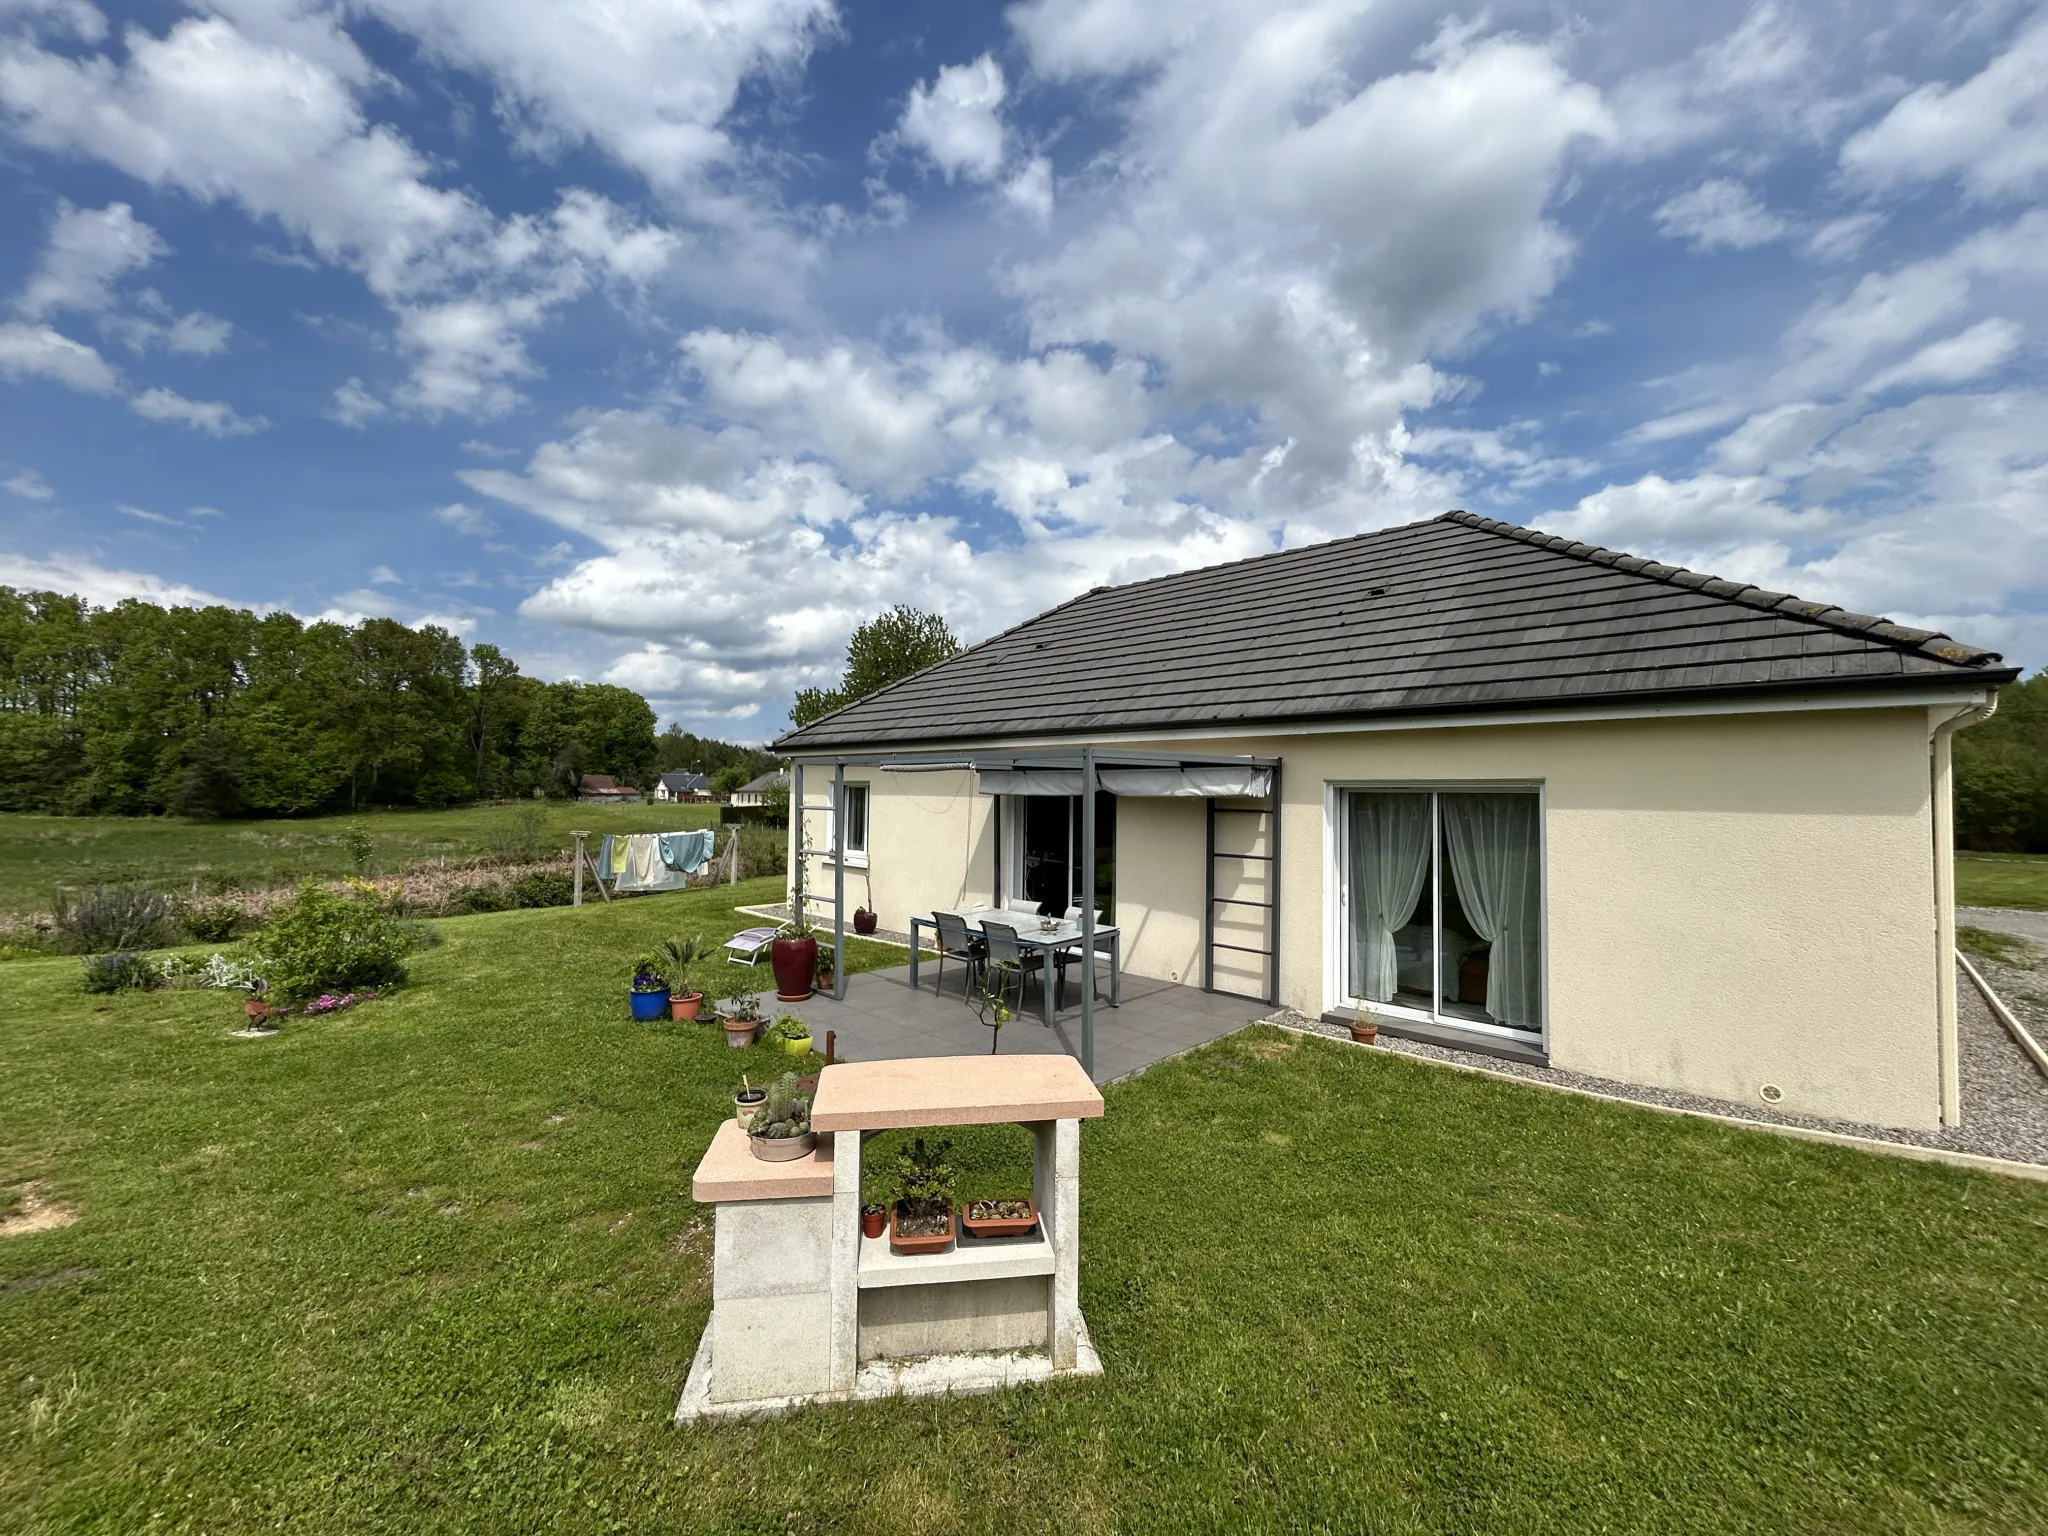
[(1961, 681)]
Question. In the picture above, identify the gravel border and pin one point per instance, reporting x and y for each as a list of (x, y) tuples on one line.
[(2005, 1099)]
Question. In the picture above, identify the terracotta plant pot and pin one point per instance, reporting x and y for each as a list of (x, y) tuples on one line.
[(1364, 1034), (740, 1035), (795, 962), (746, 1102), (873, 1221), (865, 921), (939, 1243), (684, 1005), (826, 981), (997, 1226)]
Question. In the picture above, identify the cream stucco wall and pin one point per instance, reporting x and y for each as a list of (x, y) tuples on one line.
[(1731, 900)]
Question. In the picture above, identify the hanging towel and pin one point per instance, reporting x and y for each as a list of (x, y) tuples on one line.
[(641, 867), (605, 869), (688, 851)]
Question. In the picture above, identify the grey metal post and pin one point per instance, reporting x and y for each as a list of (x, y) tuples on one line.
[(1088, 911), (839, 879), (1273, 911), (796, 837)]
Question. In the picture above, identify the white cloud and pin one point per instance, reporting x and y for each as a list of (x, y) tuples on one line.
[(88, 250), (1958, 359), (36, 351), (383, 575), (354, 405), (141, 514), (1840, 239), (1030, 190), (29, 485), (1991, 131), (1720, 213), (465, 519), (956, 119), (213, 416), (97, 583)]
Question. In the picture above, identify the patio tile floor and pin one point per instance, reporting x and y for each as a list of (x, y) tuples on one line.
[(883, 1019)]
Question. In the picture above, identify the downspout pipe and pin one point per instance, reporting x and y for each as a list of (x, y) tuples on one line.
[(1943, 797)]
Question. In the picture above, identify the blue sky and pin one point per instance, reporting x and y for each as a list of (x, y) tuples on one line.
[(662, 344)]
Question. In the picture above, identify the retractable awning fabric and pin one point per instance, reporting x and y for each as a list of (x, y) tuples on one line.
[(1186, 783)]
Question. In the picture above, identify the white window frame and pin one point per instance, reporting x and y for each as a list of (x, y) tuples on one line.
[(852, 857), (1337, 902)]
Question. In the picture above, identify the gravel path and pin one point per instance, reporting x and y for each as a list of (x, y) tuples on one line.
[(2005, 1099), (2012, 920)]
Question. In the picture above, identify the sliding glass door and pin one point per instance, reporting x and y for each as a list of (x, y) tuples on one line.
[(1042, 851), (1442, 896)]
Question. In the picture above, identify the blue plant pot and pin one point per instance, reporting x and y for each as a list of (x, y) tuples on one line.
[(649, 1006)]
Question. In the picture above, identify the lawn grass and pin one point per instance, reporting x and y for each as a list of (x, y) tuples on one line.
[(2002, 880), (432, 1265), (40, 853)]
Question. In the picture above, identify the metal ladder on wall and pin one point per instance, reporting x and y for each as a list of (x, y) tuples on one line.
[(1270, 950)]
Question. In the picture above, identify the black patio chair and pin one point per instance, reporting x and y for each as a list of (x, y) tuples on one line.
[(1011, 961), (957, 942)]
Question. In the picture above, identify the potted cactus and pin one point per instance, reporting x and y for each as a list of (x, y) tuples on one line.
[(922, 1220), (780, 1131)]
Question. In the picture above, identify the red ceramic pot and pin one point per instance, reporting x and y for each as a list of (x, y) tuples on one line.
[(865, 922), (795, 962)]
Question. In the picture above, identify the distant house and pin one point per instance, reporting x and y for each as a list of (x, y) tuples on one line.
[(600, 788), (682, 786), (755, 791)]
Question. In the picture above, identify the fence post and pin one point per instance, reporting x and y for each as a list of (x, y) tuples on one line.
[(577, 899)]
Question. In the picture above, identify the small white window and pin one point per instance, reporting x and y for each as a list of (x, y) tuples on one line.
[(856, 846)]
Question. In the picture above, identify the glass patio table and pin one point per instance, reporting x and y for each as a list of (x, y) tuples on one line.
[(1032, 933)]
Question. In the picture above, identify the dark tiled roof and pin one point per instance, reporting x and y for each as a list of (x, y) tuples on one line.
[(1460, 614), (685, 783)]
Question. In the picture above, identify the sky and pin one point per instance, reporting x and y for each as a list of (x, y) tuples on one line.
[(662, 344)]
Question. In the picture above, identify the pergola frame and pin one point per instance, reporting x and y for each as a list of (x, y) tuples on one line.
[(1087, 760)]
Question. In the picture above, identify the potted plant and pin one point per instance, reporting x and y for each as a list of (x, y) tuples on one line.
[(677, 956), (741, 1016), (873, 1220), (790, 1035), (747, 1101), (1365, 1029), (922, 1219), (989, 1005), (864, 921), (650, 989), (827, 978), (780, 1131), (998, 1218), (793, 955)]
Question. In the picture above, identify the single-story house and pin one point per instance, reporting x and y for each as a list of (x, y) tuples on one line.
[(1502, 790), (755, 791), (682, 786), (601, 788)]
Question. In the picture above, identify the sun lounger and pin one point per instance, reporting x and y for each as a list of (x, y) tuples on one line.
[(744, 947)]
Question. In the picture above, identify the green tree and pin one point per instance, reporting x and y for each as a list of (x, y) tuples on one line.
[(888, 648), (2001, 771)]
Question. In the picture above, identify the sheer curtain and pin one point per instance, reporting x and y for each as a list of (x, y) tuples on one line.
[(1389, 856), (1492, 845)]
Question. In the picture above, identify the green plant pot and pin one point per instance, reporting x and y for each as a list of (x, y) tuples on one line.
[(795, 1047)]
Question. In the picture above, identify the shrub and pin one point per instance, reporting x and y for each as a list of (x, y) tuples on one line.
[(110, 917), (212, 922), (543, 888), (520, 836), (484, 896), (328, 941), (122, 971)]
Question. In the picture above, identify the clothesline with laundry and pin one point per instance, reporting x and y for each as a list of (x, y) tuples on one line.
[(643, 862)]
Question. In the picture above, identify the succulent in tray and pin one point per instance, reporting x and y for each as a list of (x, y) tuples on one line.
[(781, 1128)]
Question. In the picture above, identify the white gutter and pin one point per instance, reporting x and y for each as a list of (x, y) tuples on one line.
[(1942, 787)]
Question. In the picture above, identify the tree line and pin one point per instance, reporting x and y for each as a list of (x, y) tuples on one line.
[(2001, 770), (139, 709)]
